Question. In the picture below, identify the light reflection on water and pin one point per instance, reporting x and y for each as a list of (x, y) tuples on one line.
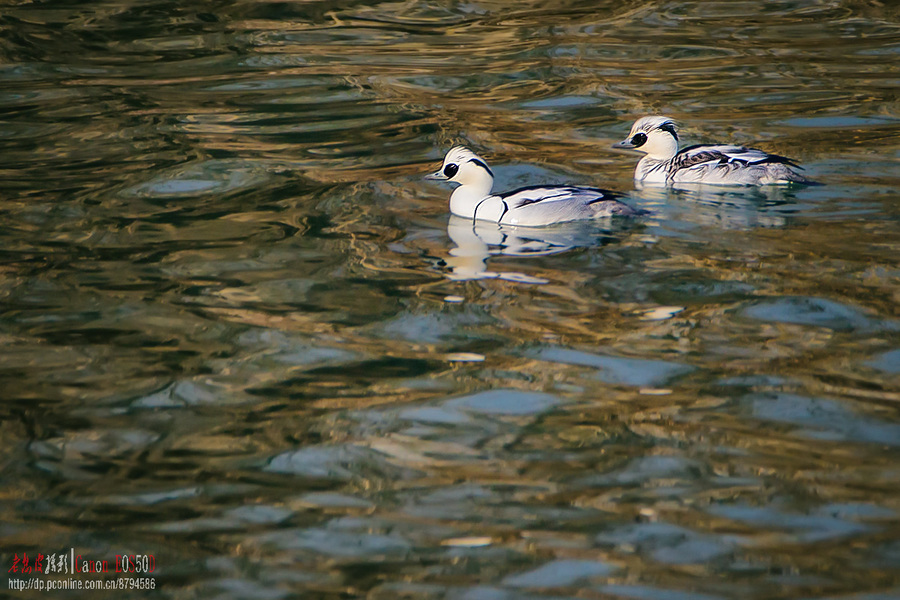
[(242, 334)]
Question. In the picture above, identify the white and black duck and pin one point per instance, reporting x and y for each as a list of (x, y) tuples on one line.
[(531, 206), (657, 137)]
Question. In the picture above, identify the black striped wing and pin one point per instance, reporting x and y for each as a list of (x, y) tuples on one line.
[(549, 195), (695, 156)]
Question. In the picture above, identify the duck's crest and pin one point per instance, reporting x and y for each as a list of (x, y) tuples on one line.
[(648, 124), (461, 154)]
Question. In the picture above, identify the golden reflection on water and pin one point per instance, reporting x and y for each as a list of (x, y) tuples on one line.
[(242, 334)]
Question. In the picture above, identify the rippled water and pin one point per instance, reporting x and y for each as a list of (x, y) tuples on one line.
[(241, 334)]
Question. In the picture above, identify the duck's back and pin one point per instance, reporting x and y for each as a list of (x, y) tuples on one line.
[(732, 165), (545, 205)]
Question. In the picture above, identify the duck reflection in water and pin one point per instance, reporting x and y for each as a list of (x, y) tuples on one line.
[(476, 241), (731, 208)]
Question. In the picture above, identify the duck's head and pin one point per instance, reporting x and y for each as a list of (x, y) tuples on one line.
[(655, 136), (464, 167)]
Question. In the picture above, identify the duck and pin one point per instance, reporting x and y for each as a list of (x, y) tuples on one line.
[(532, 206), (657, 137)]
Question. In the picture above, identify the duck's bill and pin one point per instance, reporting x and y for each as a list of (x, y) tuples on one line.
[(626, 144), (438, 175)]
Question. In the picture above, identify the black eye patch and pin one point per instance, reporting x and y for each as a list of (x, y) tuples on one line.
[(450, 170), (639, 139)]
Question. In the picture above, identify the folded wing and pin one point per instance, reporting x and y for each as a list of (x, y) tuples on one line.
[(540, 205), (731, 164)]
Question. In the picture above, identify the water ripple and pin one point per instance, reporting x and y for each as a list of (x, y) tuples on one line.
[(241, 334)]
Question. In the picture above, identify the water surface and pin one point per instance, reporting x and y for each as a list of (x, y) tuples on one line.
[(242, 334)]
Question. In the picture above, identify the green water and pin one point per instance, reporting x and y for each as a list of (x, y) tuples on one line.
[(241, 334)]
